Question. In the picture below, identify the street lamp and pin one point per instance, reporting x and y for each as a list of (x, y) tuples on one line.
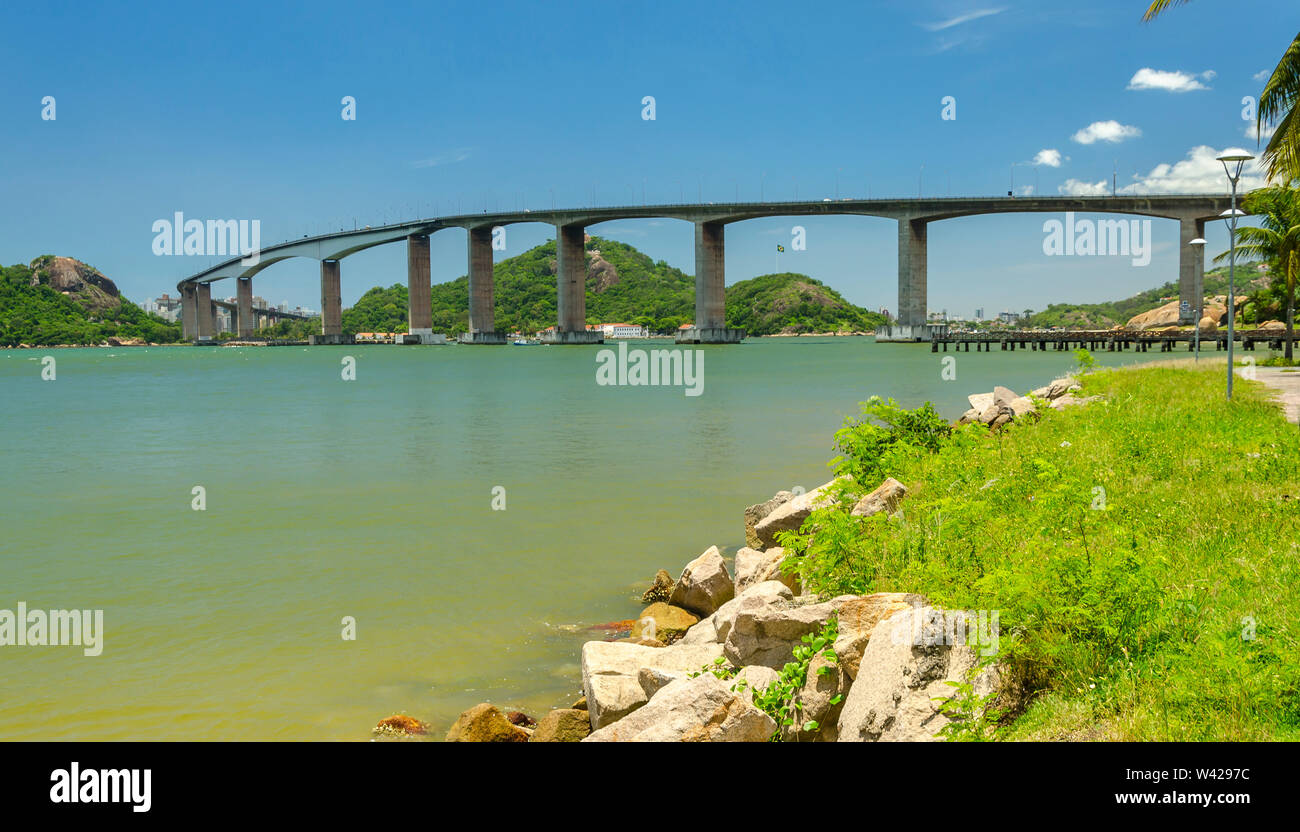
[(1199, 242), (1239, 158)]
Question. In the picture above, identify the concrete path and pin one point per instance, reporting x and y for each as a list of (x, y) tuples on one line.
[(1285, 380)]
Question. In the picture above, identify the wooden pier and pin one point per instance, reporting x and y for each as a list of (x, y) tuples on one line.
[(1106, 340)]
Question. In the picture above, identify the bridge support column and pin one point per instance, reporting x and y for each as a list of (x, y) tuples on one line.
[(207, 323), (419, 314), (571, 288), (1191, 272), (710, 290), (244, 307), (482, 301), (189, 312), (912, 294), (331, 305)]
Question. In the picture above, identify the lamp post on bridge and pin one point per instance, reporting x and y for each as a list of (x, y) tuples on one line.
[(1240, 158)]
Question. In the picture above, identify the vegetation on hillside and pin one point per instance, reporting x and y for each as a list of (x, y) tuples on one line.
[(41, 316), (623, 285), (1111, 313), (785, 303), (1141, 552)]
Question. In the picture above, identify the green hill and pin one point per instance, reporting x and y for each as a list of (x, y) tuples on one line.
[(59, 300), (1111, 313), (623, 284), (790, 303)]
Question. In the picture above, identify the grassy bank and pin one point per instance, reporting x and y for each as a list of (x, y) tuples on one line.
[(1142, 550)]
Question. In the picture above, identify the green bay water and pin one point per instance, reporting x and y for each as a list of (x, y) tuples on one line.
[(373, 498)]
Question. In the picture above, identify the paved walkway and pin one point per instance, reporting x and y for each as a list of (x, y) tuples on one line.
[(1288, 386)]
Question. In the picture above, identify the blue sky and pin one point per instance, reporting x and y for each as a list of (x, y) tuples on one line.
[(232, 110)]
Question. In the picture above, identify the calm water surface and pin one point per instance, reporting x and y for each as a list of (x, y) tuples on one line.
[(373, 499)]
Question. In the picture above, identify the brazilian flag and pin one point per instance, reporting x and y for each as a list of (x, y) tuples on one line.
[(780, 247)]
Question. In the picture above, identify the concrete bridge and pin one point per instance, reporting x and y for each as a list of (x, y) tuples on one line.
[(710, 220), (257, 318)]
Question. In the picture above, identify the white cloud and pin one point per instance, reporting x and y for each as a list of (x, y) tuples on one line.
[(1266, 131), (1073, 187), (448, 158), (1051, 157), (1106, 131), (1200, 172), (1167, 80), (1262, 75), (962, 18), (1209, 75)]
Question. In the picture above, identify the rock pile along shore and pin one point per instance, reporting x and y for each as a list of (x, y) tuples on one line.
[(705, 651)]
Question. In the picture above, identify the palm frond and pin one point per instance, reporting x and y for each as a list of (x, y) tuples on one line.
[(1158, 6)]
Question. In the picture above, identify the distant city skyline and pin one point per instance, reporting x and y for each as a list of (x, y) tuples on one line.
[(1050, 101)]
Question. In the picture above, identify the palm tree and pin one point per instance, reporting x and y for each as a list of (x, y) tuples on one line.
[(1276, 105), (1275, 241)]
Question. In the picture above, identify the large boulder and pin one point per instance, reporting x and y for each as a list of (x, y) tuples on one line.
[(758, 511), (768, 593), (885, 498), (1161, 316), (903, 678), (611, 670), (700, 709), (485, 723), (789, 516), (1004, 396), (979, 402), (765, 632), (858, 616), (1021, 407), (819, 713), (749, 680), (563, 725), (663, 622), (753, 567), (1276, 326), (704, 585), (1058, 388)]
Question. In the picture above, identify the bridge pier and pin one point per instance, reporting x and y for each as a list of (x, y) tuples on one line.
[(207, 322), (331, 305), (1191, 271), (912, 290), (419, 312), (244, 307), (189, 312), (571, 289), (710, 290), (482, 300)]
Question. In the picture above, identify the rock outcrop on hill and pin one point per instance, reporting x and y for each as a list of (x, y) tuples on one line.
[(84, 284)]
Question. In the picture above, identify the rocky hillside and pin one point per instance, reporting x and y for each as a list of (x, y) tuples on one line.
[(1152, 303), (74, 279), (60, 300)]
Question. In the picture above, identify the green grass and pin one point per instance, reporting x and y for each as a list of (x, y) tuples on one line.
[(1122, 612)]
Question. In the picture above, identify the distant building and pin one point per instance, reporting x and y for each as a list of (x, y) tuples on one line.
[(979, 313), (621, 330)]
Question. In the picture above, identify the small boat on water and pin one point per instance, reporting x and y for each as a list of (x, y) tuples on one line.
[(526, 342)]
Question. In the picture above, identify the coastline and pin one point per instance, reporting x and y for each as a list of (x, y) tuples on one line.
[(727, 631)]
